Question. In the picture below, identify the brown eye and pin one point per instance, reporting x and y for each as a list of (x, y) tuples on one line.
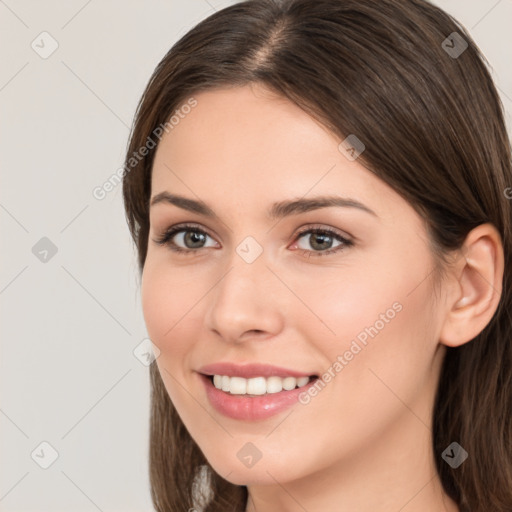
[(321, 241), (184, 239)]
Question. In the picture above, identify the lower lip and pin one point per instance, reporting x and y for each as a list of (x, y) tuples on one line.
[(241, 407)]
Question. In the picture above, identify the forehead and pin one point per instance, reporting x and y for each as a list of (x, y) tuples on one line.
[(246, 127), (247, 145)]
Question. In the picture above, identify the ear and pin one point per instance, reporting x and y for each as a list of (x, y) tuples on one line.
[(475, 286)]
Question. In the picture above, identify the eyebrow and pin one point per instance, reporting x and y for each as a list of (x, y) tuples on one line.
[(276, 211)]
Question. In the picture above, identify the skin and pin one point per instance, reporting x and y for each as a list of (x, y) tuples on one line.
[(364, 442)]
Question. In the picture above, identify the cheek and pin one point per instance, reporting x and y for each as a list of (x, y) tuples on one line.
[(381, 323), (168, 305), (169, 296), (342, 302)]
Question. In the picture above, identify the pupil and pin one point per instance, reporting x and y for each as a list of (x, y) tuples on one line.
[(194, 237), (322, 239)]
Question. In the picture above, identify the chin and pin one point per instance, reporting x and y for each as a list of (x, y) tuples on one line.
[(251, 476), (262, 472)]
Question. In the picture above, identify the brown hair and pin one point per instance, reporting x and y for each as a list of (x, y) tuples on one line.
[(433, 126)]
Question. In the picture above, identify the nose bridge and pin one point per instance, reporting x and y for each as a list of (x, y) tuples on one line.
[(246, 282), (247, 273), (244, 299)]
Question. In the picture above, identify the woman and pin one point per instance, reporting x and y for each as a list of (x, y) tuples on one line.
[(318, 195)]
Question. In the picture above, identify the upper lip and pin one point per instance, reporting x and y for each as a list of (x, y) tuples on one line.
[(250, 370)]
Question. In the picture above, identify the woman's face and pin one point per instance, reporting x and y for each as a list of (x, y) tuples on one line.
[(355, 303)]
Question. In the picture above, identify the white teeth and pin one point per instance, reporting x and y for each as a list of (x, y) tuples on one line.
[(237, 386), (302, 381), (289, 383), (274, 384), (257, 385)]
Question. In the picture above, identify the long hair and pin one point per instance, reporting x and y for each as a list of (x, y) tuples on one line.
[(422, 100)]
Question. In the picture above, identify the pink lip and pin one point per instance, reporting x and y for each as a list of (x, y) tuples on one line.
[(250, 408), (250, 370)]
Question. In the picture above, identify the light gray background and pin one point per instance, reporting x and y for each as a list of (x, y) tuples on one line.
[(69, 325)]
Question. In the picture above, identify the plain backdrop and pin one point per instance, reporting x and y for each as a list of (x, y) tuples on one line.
[(74, 393)]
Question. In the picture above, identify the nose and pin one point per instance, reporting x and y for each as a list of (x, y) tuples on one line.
[(247, 303)]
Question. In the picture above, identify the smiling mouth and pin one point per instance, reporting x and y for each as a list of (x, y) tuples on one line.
[(258, 386)]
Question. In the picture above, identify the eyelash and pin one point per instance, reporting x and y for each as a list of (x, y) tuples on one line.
[(166, 237)]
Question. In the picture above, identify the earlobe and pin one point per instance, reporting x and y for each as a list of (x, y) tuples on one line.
[(475, 287)]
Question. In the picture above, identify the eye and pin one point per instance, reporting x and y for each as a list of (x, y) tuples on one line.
[(190, 236), (321, 239)]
